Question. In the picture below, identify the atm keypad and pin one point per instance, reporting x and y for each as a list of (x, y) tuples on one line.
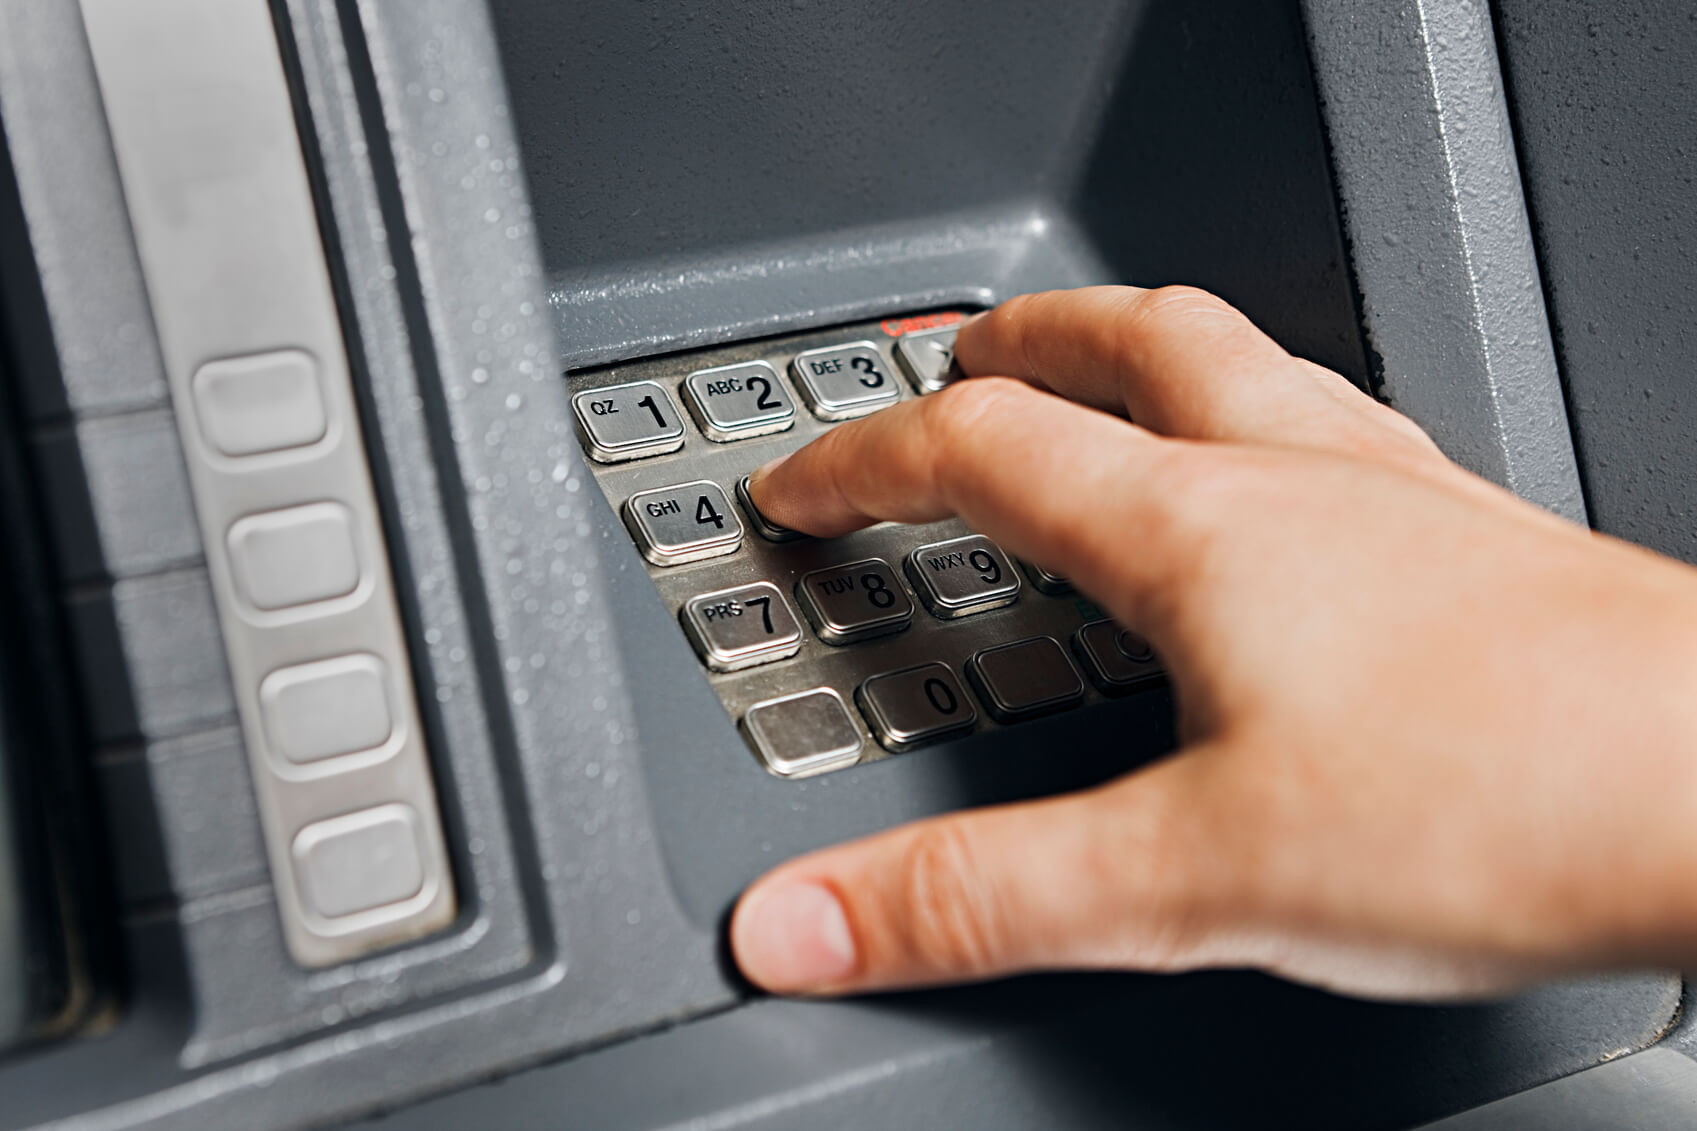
[(832, 652), (622, 422), (841, 382)]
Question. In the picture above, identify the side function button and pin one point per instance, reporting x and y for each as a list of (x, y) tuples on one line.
[(1117, 659), (683, 523), (360, 862), (928, 356), (742, 627), (804, 733), (841, 382), (769, 530), (295, 556), (915, 706), (630, 421), (735, 402), (261, 403), (1025, 679), (327, 708), (853, 602), (963, 576), (1047, 582)]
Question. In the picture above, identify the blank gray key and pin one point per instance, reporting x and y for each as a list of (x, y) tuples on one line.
[(736, 402), (1025, 679), (963, 576), (856, 601), (1117, 658), (1047, 581), (804, 733), (915, 706), (630, 421), (739, 628), (928, 356), (683, 523), (844, 381)]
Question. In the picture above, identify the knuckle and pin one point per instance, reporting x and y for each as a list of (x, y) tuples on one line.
[(1182, 304), (956, 421), (949, 917)]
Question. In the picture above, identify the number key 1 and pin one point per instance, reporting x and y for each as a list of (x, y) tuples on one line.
[(628, 421)]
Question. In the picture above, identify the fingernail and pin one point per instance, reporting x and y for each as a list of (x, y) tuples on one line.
[(765, 469), (794, 937)]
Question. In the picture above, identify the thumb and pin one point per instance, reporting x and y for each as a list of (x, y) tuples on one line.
[(1104, 878)]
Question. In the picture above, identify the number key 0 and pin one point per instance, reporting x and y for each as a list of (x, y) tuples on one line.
[(915, 706)]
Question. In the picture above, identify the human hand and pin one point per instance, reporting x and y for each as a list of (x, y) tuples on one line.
[(1434, 741)]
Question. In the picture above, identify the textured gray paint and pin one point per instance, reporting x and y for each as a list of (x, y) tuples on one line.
[(1205, 1051), (1606, 114), (1650, 1091), (1443, 257), (118, 497)]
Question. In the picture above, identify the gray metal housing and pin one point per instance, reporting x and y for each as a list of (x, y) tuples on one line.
[(601, 826)]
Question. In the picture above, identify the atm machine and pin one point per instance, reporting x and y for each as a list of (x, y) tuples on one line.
[(397, 685)]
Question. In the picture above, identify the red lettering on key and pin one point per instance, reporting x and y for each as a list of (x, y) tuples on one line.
[(896, 327)]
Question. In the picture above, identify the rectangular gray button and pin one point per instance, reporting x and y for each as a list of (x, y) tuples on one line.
[(742, 627), (1117, 658), (856, 601), (361, 863), (683, 523), (917, 705), (769, 530), (963, 576), (630, 421), (1025, 679), (1047, 581), (840, 382), (928, 356), (735, 402), (804, 733)]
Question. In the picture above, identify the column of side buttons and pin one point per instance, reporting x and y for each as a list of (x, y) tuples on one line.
[(295, 567)]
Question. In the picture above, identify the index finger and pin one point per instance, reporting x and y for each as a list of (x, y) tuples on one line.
[(1049, 480)]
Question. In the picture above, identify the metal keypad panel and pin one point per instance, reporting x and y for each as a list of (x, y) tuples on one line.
[(828, 653)]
